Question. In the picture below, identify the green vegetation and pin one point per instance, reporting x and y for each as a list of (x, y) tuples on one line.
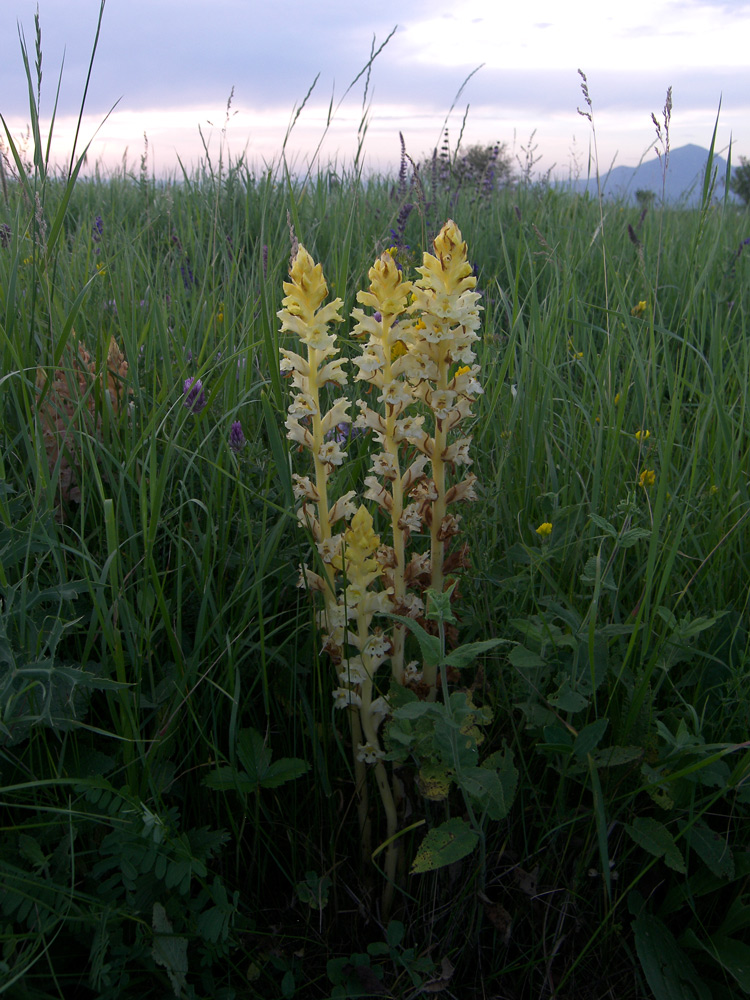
[(178, 799)]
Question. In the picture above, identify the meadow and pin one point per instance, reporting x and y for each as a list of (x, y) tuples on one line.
[(182, 802)]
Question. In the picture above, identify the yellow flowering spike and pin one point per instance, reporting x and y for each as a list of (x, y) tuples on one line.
[(445, 299), (640, 309), (304, 312), (544, 530), (642, 435), (647, 478), (388, 292), (361, 540), (451, 262)]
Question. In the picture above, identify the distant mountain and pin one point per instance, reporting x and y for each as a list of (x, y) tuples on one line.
[(684, 184)]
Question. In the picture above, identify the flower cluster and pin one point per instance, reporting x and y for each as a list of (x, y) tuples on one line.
[(418, 360), (195, 397)]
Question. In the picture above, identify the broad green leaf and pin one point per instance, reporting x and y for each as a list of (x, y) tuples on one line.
[(655, 838), (445, 844), (565, 699), (490, 793), (467, 653), (416, 709), (632, 537), (429, 645), (731, 954), (435, 781), (712, 849), (588, 738), (282, 770), (169, 950), (525, 659), (229, 779), (253, 755), (668, 970)]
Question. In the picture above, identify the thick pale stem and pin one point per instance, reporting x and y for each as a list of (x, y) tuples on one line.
[(397, 494), (437, 545), (370, 734)]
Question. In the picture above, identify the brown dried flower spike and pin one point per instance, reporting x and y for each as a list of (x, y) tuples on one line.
[(67, 405)]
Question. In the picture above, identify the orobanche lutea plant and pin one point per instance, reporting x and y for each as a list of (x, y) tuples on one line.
[(418, 359)]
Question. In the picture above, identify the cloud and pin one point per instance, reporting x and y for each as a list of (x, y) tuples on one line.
[(174, 63)]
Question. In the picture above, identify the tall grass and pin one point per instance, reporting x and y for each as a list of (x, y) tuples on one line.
[(151, 618)]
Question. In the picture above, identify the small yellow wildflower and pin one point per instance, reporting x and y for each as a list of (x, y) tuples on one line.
[(647, 478), (101, 268), (544, 530), (573, 351), (220, 313), (617, 398), (642, 435), (640, 309), (714, 490)]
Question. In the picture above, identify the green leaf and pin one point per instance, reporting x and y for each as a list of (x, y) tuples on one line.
[(282, 770), (416, 709), (226, 779), (467, 653), (169, 950), (252, 754), (434, 781), (732, 955), (668, 970), (655, 838), (712, 849), (632, 537), (447, 843), (525, 659), (501, 762), (429, 645), (588, 738), (565, 699)]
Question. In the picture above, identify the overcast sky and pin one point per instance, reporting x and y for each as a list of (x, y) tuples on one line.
[(170, 66)]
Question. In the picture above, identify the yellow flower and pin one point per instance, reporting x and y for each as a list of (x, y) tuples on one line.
[(573, 351), (642, 435), (388, 292), (647, 478), (640, 309), (399, 348), (714, 490), (220, 313), (544, 530), (617, 398), (304, 312)]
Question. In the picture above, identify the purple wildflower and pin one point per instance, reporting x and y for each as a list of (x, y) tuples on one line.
[(96, 232), (236, 437), (342, 433), (188, 278), (5, 235), (265, 260), (195, 397)]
